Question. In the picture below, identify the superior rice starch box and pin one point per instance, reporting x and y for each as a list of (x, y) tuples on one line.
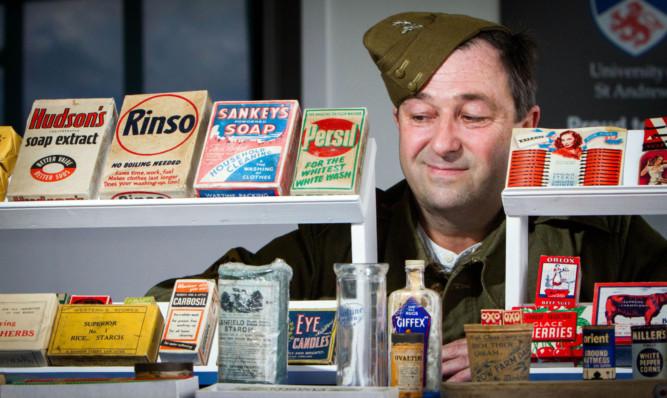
[(26, 321), (331, 151), (191, 321), (156, 146), (63, 150), (250, 149), (105, 335)]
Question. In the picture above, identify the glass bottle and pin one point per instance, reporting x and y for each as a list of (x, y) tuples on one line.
[(361, 333), (416, 309)]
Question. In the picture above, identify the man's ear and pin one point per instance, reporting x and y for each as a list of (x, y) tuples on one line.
[(396, 116), (532, 118)]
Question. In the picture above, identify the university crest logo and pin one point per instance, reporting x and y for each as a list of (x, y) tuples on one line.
[(635, 26)]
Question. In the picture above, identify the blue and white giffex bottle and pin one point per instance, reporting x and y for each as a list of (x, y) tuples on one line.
[(416, 309)]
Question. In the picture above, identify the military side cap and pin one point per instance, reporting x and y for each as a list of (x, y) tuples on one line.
[(409, 47)]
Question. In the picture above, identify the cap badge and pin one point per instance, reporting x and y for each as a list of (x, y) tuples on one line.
[(407, 26)]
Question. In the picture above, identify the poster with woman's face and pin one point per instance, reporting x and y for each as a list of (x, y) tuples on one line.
[(653, 168), (567, 157)]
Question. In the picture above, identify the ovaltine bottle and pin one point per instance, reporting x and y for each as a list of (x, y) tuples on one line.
[(416, 309)]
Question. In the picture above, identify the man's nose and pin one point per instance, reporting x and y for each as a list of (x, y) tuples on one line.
[(446, 138)]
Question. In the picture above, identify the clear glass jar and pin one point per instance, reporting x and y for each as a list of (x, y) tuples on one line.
[(361, 334)]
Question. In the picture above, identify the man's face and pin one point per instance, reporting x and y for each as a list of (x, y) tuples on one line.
[(454, 136)]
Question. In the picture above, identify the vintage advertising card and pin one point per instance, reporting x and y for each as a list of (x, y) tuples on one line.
[(627, 304), (566, 157), (652, 164), (559, 281)]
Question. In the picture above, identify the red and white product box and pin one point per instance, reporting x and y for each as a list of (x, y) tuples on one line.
[(191, 321), (559, 282), (492, 317), (250, 149), (156, 146), (26, 321), (512, 317), (557, 332), (331, 151), (87, 299), (63, 150)]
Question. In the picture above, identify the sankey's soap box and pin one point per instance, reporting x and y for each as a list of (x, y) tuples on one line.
[(25, 328), (331, 151), (105, 335), (250, 149), (63, 150), (156, 146), (191, 321)]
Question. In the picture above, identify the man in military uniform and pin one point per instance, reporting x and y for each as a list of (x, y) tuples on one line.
[(459, 86)]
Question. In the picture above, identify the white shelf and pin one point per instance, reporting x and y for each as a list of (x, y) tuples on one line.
[(520, 203), (353, 209), (575, 201)]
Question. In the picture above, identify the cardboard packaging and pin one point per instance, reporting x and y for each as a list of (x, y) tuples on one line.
[(250, 149), (10, 143), (191, 322), (312, 332), (331, 151), (63, 150), (25, 328), (156, 146), (105, 335)]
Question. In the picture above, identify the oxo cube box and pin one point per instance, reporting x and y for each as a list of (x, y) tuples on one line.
[(250, 149), (156, 146), (331, 151), (63, 149)]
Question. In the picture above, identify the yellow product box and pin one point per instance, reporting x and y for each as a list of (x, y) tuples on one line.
[(10, 143), (105, 335), (191, 321), (25, 328)]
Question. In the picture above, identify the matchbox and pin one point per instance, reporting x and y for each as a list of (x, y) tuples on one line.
[(312, 332), (627, 304)]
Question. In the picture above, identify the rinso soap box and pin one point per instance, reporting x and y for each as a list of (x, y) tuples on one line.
[(250, 149), (331, 151), (156, 146), (63, 150)]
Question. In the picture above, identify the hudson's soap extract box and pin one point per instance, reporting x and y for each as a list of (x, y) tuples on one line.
[(156, 145), (63, 150)]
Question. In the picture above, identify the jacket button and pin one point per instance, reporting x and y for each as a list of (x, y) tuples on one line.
[(438, 287), (399, 73), (412, 86)]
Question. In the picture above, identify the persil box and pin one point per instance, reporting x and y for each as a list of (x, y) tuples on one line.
[(105, 335), (250, 149), (63, 150), (191, 321), (25, 328), (331, 152), (156, 146)]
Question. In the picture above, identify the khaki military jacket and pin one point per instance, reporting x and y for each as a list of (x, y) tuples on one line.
[(619, 248)]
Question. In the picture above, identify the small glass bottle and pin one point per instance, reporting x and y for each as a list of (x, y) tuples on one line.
[(416, 309)]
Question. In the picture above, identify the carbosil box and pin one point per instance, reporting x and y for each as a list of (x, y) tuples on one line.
[(191, 321), (331, 151), (250, 149), (156, 146), (25, 328), (63, 149)]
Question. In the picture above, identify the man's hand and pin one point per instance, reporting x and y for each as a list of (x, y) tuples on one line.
[(455, 362)]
